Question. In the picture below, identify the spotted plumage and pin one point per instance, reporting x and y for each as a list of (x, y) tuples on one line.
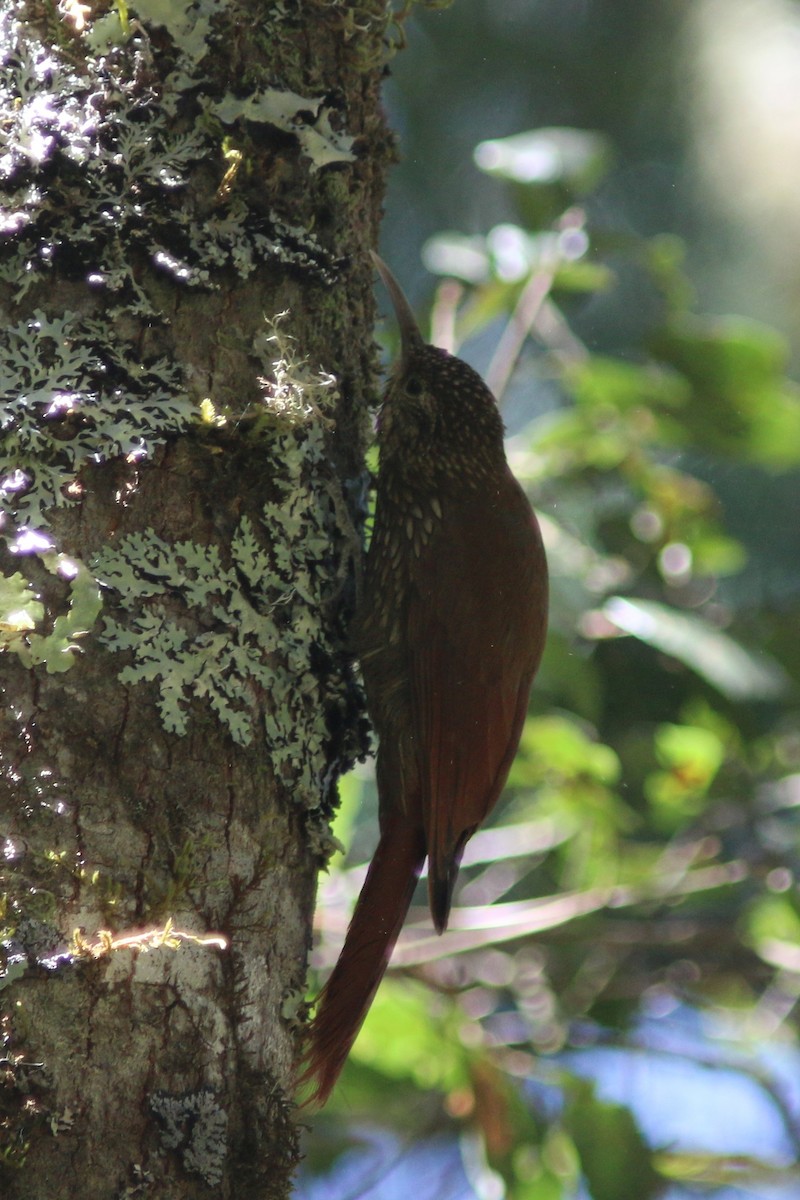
[(449, 634)]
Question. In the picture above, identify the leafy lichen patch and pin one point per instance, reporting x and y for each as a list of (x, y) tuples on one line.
[(306, 118), (249, 629), (68, 398), (195, 1125), (21, 611)]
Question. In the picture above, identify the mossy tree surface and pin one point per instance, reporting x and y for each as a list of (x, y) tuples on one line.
[(180, 474)]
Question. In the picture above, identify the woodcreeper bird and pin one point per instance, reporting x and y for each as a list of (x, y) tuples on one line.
[(449, 632)]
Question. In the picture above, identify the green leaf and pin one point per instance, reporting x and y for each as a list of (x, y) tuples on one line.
[(400, 1039), (56, 649), (692, 757), (562, 746), (717, 554), (608, 381), (688, 748), (351, 789), (743, 404), (615, 1158), (727, 354), (583, 277), (773, 917)]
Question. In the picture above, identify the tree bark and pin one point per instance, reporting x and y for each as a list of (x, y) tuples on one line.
[(181, 475)]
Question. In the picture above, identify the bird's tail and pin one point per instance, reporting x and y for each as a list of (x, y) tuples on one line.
[(374, 929)]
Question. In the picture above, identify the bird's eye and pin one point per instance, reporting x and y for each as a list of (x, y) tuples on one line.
[(413, 387)]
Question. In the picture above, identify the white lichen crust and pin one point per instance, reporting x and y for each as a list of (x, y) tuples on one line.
[(195, 1125)]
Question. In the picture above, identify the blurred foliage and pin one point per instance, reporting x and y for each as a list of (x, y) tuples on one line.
[(645, 859)]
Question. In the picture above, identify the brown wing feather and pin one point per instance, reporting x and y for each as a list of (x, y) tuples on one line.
[(475, 641)]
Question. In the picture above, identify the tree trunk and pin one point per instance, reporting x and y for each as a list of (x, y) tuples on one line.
[(181, 477)]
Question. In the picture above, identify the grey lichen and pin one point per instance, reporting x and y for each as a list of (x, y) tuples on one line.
[(249, 631), (196, 1126), (91, 166), (33, 945), (305, 117), (88, 167), (190, 627), (14, 963), (188, 23), (93, 175), (68, 398)]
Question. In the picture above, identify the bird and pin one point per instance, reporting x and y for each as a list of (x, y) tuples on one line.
[(449, 632)]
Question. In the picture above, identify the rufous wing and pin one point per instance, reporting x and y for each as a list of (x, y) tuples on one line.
[(476, 626)]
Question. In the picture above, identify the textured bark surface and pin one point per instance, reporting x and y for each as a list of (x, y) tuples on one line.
[(167, 1072)]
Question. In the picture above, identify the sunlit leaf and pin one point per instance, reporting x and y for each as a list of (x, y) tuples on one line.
[(560, 1156), (569, 442), (576, 158), (400, 1040), (696, 752), (622, 385), (692, 756), (350, 787), (583, 277), (546, 170), (20, 610), (773, 917), (735, 671), (726, 1171), (561, 745), (716, 554)]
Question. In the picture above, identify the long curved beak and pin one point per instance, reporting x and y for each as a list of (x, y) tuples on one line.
[(410, 336)]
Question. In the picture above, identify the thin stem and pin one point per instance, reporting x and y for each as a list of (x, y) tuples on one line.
[(556, 334), (522, 320), (443, 314)]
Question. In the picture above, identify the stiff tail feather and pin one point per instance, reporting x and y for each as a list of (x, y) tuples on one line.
[(374, 929)]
